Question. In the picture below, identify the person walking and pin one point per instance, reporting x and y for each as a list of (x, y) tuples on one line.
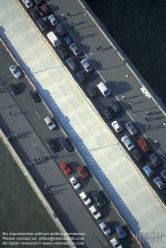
[(68, 13), (100, 47), (81, 36), (146, 119), (164, 123), (97, 49), (9, 113), (149, 127)]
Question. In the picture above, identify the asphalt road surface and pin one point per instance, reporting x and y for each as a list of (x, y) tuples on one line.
[(27, 121)]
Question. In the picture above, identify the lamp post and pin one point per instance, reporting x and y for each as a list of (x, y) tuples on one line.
[(95, 60), (38, 149), (98, 239), (128, 103), (155, 141)]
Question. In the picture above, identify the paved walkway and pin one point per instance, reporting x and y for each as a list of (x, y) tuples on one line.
[(96, 144)]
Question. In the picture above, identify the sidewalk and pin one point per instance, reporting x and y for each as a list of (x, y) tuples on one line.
[(101, 151)]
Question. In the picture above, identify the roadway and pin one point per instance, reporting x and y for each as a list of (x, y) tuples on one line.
[(27, 121), (79, 112)]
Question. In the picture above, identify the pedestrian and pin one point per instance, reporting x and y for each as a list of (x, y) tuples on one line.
[(130, 103), (68, 13), (149, 127), (81, 36), (9, 113), (127, 76), (148, 112), (146, 119), (14, 133), (100, 47), (97, 49), (35, 159), (46, 157), (38, 158), (164, 123)]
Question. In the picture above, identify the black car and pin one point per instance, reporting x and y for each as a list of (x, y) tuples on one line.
[(65, 144), (13, 89), (98, 199), (62, 52), (41, 24), (137, 155), (34, 14), (61, 29), (34, 96), (91, 92), (81, 77), (115, 106), (51, 145), (107, 112)]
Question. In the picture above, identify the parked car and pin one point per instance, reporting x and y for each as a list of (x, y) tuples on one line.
[(34, 14), (71, 64), (116, 126), (154, 159), (107, 112), (34, 96), (75, 49), (61, 29), (50, 123), (95, 212), (68, 40), (115, 106), (44, 8), (131, 128), (148, 171), (158, 181), (91, 92), (85, 198), (115, 243), (75, 183), (28, 3), (51, 145), (144, 145), (105, 228), (41, 24), (52, 20), (121, 232), (15, 71), (65, 144), (127, 142), (86, 65), (98, 199), (62, 52), (163, 174), (13, 89), (84, 174), (137, 155), (65, 168), (81, 77)]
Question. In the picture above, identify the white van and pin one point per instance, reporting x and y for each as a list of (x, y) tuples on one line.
[(104, 89), (54, 40), (50, 123)]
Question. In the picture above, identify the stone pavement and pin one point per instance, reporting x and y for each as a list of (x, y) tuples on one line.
[(96, 144)]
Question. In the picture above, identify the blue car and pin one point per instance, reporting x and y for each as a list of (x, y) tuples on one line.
[(121, 232), (68, 40)]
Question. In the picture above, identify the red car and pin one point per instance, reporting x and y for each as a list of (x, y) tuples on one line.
[(65, 168), (45, 9), (84, 174), (144, 145)]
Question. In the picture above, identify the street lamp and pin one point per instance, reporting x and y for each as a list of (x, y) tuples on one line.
[(38, 149), (155, 141), (129, 103), (98, 239), (96, 60)]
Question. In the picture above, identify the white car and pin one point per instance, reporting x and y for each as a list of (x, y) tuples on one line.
[(75, 49), (116, 126), (75, 183), (127, 142), (86, 65), (105, 228), (95, 212), (115, 243), (84, 196), (50, 123), (52, 19), (15, 71), (28, 3)]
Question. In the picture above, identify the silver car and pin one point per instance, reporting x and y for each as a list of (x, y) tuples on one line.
[(127, 142), (158, 181), (131, 128), (75, 49), (86, 65), (15, 71)]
